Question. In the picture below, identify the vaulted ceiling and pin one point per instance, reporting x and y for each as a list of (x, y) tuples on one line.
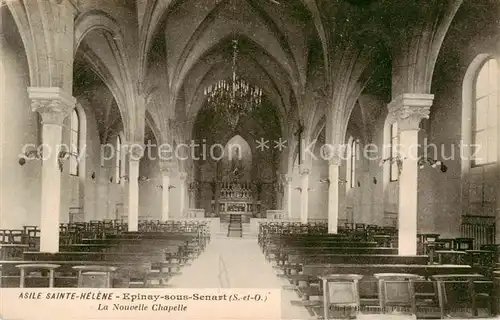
[(309, 56)]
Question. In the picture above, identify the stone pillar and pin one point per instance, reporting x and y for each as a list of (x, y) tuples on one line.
[(103, 194), (216, 198), (182, 193), (165, 191), (366, 197), (408, 110), (333, 195), (54, 105), (135, 153), (288, 191), (304, 195), (193, 193)]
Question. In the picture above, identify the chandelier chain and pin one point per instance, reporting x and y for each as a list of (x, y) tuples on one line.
[(235, 98)]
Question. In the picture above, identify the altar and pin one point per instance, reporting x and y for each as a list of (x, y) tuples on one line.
[(236, 198)]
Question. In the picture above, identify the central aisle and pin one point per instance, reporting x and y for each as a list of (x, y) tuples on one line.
[(236, 263)]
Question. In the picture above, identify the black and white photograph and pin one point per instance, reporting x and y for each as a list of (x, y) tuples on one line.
[(249, 159)]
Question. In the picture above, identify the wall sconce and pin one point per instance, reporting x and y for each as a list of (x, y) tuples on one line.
[(63, 155), (326, 180), (169, 187), (139, 179), (300, 189), (28, 156), (422, 162), (35, 155), (396, 160)]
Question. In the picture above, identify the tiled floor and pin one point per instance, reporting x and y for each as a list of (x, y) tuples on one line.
[(236, 263)]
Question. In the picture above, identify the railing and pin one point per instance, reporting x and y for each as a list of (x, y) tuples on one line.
[(195, 213), (276, 214), (481, 228)]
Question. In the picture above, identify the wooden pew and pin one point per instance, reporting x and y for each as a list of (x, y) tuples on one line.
[(67, 276), (279, 252), (282, 255), (96, 256), (296, 262), (333, 258), (186, 249), (307, 283), (425, 270)]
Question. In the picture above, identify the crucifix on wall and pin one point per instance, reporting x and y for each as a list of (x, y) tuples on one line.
[(298, 133)]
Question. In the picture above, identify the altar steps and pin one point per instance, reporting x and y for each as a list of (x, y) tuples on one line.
[(247, 232), (235, 227)]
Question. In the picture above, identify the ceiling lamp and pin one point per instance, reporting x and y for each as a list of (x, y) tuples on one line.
[(233, 98)]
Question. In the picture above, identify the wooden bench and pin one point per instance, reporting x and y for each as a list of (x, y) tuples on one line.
[(95, 276), (281, 253), (101, 256), (307, 284), (295, 262), (126, 274), (27, 268), (464, 290)]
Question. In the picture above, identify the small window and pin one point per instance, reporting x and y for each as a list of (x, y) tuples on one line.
[(74, 143), (118, 160), (394, 170), (352, 173), (485, 115)]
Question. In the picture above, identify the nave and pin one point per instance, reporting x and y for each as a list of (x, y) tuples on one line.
[(345, 137), (356, 273), (237, 263)]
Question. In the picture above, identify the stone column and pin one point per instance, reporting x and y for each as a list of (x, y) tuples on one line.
[(193, 193), (408, 110), (54, 105), (304, 195), (333, 194), (288, 190), (216, 198), (182, 193), (366, 197), (135, 153), (103, 194), (165, 191)]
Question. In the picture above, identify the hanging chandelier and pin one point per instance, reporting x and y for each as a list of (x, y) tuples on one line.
[(233, 98)]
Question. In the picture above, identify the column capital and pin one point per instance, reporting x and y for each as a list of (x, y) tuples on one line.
[(183, 176), (409, 109), (52, 103), (135, 150), (334, 160), (304, 171)]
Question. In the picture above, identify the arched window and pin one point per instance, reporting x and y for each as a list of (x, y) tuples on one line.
[(394, 142), (118, 160), (485, 115), (74, 143), (352, 166)]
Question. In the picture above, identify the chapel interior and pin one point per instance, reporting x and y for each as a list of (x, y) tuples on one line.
[(344, 152)]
